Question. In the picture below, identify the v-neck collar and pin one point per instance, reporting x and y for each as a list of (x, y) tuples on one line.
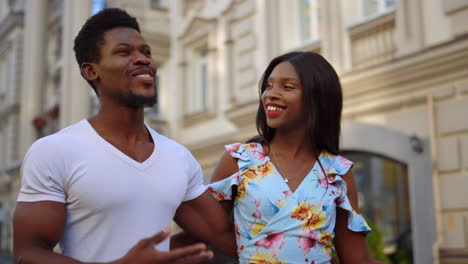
[(280, 177), (124, 157)]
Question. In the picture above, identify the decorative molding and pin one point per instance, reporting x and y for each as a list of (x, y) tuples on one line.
[(190, 119), (12, 166), (449, 57), (359, 108), (405, 81), (196, 29), (310, 46), (373, 41), (213, 9), (453, 6), (243, 114), (8, 109), (191, 7), (370, 24), (14, 19)]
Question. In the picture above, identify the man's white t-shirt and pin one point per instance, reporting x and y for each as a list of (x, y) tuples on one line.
[(112, 201)]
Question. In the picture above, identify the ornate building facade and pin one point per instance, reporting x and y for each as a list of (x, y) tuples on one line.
[(403, 67)]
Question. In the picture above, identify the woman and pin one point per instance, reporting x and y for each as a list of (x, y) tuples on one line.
[(292, 196)]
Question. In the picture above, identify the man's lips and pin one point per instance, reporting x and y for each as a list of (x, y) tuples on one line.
[(145, 75)]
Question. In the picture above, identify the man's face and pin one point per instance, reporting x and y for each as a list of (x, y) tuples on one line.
[(126, 71)]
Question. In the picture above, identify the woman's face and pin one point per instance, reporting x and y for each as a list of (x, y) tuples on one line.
[(282, 98)]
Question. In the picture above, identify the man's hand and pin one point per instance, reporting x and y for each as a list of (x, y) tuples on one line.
[(144, 252)]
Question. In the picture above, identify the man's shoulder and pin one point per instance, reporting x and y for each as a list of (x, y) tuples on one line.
[(63, 138)]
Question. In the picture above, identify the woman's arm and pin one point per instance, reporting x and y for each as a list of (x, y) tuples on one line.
[(351, 246)]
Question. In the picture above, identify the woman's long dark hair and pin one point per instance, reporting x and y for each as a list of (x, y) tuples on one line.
[(322, 100)]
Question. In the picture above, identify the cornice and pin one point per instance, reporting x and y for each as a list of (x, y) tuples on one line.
[(243, 114), (190, 23), (191, 119), (402, 71), (368, 25)]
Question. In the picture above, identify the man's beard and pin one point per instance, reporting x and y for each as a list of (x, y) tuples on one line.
[(136, 101)]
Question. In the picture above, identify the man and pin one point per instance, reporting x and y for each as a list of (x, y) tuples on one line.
[(103, 187)]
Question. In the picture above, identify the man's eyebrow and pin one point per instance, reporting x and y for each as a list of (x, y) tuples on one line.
[(122, 44), (146, 46)]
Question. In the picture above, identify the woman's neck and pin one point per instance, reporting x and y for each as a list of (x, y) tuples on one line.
[(292, 143)]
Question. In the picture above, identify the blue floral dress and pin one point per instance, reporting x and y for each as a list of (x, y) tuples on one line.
[(274, 225)]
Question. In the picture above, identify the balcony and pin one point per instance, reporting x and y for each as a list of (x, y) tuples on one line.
[(373, 41)]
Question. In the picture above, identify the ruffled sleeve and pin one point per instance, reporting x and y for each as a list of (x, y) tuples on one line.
[(222, 190), (340, 166), (244, 153)]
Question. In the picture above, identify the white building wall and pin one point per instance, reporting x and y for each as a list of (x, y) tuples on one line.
[(403, 70)]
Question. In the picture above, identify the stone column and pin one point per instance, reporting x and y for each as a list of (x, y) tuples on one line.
[(334, 33), (75, 93), (174, 112), (33, 73)]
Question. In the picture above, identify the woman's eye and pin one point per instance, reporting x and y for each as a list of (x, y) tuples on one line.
[(269, 86), (123, 52), (289, 87)]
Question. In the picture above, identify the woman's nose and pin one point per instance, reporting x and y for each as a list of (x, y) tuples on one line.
[(273, 92)]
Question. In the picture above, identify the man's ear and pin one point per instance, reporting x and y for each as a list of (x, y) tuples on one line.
[(88, 71)]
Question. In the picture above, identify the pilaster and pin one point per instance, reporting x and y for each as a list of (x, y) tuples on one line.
[(75, 103), (33, 70)]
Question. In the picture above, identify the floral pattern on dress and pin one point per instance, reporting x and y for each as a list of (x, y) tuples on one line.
[(275, 225)]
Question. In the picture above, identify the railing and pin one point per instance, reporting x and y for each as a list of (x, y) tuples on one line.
[(373, 41)]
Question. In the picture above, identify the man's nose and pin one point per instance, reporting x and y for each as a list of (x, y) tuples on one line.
[(141, 58)]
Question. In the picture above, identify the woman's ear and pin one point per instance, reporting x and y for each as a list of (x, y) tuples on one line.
[(88, 71)]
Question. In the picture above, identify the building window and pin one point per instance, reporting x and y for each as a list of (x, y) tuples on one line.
[(157, 4), (300, 24), (3, 9), (310, 20), (383, 192), (376, 7), (199, 98), (97, 6)]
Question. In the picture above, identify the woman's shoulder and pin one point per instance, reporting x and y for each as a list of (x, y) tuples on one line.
[(246, 151), (335, 164)]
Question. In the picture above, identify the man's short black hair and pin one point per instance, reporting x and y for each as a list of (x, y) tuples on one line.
[(91, 36)]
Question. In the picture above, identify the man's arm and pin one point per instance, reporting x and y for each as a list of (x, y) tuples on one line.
[(38, 226), (205, 219)]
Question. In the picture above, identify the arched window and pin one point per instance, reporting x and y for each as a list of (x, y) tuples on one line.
[(393, 172)]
